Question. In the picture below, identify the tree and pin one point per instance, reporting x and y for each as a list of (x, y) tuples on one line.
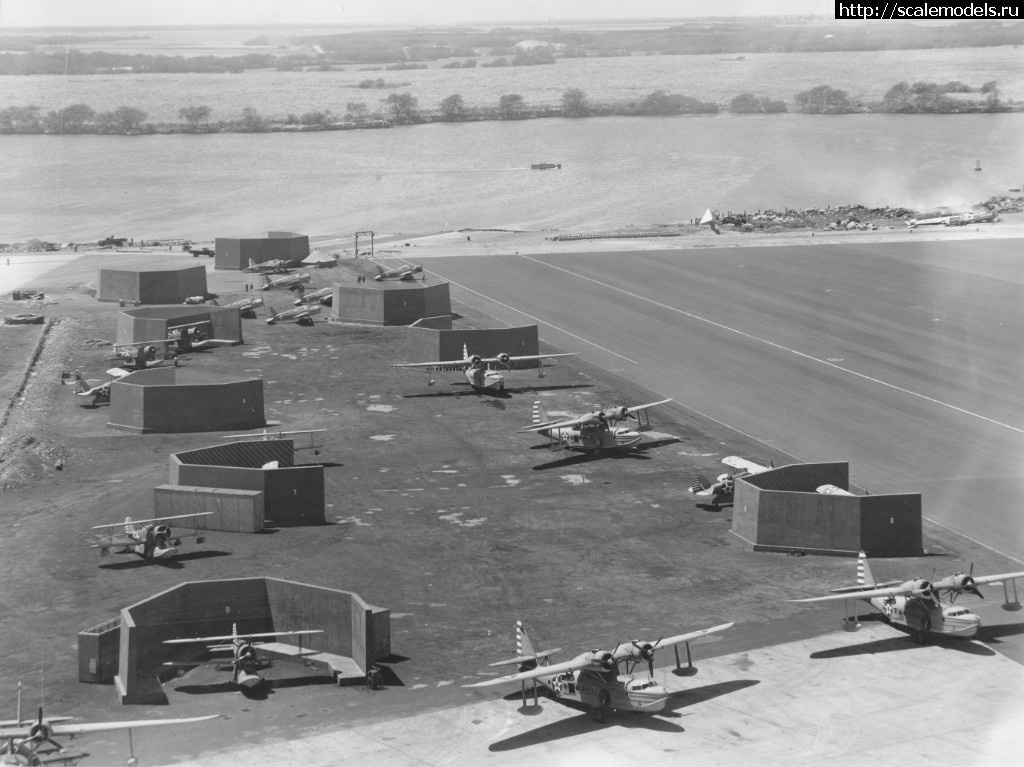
[(453, 106), (402, 106), (318, 117), (124, 119), (195, 116), (252, 121), (356, 110), (510, 105), (575, 103), (20, 119), (748, 103), (823, 99), (71, 119)]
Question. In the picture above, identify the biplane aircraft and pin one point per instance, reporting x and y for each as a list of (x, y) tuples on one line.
[(406, 273), (245, 661), (595, 430), (303, 315), (479, 371), (918, 604), (721, 491), (98, 390), (290, 281), (324, 296), (180, 339), (34, 741), (274, 266), (151, 539), (601, 680)]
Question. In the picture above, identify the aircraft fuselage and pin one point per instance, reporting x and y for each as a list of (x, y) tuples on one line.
[(589, 438), (928, 616), (608, 690)]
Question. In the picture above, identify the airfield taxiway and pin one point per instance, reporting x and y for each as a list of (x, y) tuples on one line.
[(442, 513)]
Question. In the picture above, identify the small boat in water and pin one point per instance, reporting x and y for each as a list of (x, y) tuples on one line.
[(546, 165), (977, 164)]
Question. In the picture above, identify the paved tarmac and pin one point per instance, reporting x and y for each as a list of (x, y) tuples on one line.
[(847, 698), (904, 359)]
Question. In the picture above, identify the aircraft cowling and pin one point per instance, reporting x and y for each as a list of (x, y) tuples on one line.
[(475, 359), (602, 660), (616, 413), (504, 358), (920, 588), (959, 583)]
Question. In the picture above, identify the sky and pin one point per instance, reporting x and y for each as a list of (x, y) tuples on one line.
[(79, 13)]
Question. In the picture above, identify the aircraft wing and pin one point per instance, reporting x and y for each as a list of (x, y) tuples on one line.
[(523, 658), (995, 578), (559, 424), (118, 372), (540, 671), (742, 463), (230, 637), (59, 725), (694, 635), (526, 358), (86, 727), (155, 519), (637, 408), (892, 591), (133, 344), (439, 365)]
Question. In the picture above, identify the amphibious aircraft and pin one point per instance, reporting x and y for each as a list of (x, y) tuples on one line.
[(290, 281), (595, 678), (721, 491), (245, 662), (323, 296), (33, 741), (479, 370), (274, 266), (151, 540), (399, 273), (595, 430), (917, 604), (303, 315), (100, 392)]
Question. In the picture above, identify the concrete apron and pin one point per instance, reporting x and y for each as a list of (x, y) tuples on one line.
[(867, 697)]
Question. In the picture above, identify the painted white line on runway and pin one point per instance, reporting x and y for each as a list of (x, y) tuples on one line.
[(535, 319), (781, 347)]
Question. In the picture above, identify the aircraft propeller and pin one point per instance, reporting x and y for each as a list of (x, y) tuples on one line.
[(41, 732), (958, 584)]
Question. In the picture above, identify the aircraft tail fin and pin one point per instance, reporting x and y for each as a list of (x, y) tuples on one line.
[(465, 352), (80, 387), (539, 414), (523, 644), (699, 483), (129, 528), (864, 576)]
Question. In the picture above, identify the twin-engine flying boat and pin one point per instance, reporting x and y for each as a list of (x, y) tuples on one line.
[(481, 372), (917, 604), (601, 680), (596, 430)]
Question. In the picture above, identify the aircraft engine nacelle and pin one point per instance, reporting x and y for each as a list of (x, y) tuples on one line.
[(638, 651), (920, 588), (958, 583), (602, 660), (616, 413), (149, 352), (475, 359), (504, 357)]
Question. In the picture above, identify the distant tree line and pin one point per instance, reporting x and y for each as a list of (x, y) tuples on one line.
[(404, 109), (401, 48)]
